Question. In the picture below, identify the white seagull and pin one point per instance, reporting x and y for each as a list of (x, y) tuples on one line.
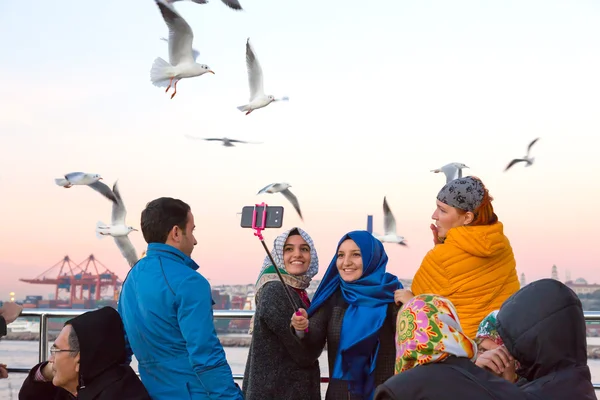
[(226, 141), (258, 99), (282, 188), (91, 180), (527, 159), (452, 171), (389, 227), (118, 229), (233, 4), (182, 58), (195, 53)]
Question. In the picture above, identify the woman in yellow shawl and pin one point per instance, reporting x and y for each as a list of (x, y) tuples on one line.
[(472, 263)]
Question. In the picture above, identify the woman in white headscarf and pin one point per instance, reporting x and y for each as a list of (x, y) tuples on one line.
[(278, 366)]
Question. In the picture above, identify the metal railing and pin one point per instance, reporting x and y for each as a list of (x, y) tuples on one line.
[(43, 315)]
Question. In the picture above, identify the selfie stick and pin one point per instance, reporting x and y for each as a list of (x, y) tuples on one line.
[(258, 233)]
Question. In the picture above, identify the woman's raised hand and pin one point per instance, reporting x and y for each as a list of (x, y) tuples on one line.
[(434, 229), (402, 296), (300, 322)]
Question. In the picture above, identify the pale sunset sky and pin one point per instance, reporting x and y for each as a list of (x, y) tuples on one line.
[(380, 94)]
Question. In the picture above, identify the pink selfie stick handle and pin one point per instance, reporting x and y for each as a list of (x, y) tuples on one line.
[(300, 334)]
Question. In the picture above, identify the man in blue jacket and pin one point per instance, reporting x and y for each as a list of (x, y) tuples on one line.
[(166, 307)]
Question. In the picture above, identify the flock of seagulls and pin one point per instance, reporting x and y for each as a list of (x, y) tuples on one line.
[(119, 230), (183, 58), (452, 171), (183, 64)]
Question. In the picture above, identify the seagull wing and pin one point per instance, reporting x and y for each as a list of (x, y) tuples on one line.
[(118, 209), (389, 222), (127, 250), (292, 198), (255, 74), (513, 162), (265, 188), (103, 190), (233, 4), (530, 145), (195, 53), (180, 35), (73, 176), (451, 172)]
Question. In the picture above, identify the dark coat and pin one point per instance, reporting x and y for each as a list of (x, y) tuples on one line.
[(278, 366), (326, 325), (101, 375), (454, 378), (543, 327), (117, 383)]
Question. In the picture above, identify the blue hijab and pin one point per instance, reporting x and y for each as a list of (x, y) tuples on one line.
[(368, 299)]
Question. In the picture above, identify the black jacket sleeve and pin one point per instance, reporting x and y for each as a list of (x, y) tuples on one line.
[(32, 390), (2, 326)]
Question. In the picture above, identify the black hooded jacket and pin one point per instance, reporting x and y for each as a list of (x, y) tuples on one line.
[(543, 327), (455, 378), (101, 373)]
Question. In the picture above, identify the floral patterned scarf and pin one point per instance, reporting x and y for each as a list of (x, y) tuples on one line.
[(428, 330), (488, 329)]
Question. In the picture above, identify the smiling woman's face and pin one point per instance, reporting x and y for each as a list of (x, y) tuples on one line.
[(296, 255), (349, 261)]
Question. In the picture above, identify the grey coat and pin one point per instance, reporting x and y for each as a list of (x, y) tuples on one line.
[(278, 365), (326, 325)]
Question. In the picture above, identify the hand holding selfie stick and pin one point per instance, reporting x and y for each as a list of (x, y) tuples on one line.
[(258, 233)]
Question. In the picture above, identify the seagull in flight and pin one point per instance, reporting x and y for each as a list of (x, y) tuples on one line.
[(452, 171), (226, 141), (258, 99), (283, 188), (182, 57), (233, 4), (118, 229), (389, 227), (91, 180), (527, 159)]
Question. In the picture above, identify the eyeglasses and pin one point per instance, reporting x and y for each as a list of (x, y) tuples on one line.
[(54, 350)]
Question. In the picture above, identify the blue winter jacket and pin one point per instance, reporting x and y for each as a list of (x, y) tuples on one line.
[(166, 307)]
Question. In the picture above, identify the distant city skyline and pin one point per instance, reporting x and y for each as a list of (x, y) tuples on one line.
[(314, 283)]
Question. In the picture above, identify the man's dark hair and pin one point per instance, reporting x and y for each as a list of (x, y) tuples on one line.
[(73, 342), (160, 216)]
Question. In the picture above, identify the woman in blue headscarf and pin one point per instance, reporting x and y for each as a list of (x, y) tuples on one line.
[(353, 310)]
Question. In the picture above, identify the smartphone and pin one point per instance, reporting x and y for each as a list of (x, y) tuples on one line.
[(274, 216)]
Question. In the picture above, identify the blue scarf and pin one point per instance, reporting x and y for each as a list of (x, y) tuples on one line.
[(368, 299)]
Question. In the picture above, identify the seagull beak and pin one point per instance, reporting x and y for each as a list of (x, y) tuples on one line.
[(100, 178), (211, 71), (135, 229)]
